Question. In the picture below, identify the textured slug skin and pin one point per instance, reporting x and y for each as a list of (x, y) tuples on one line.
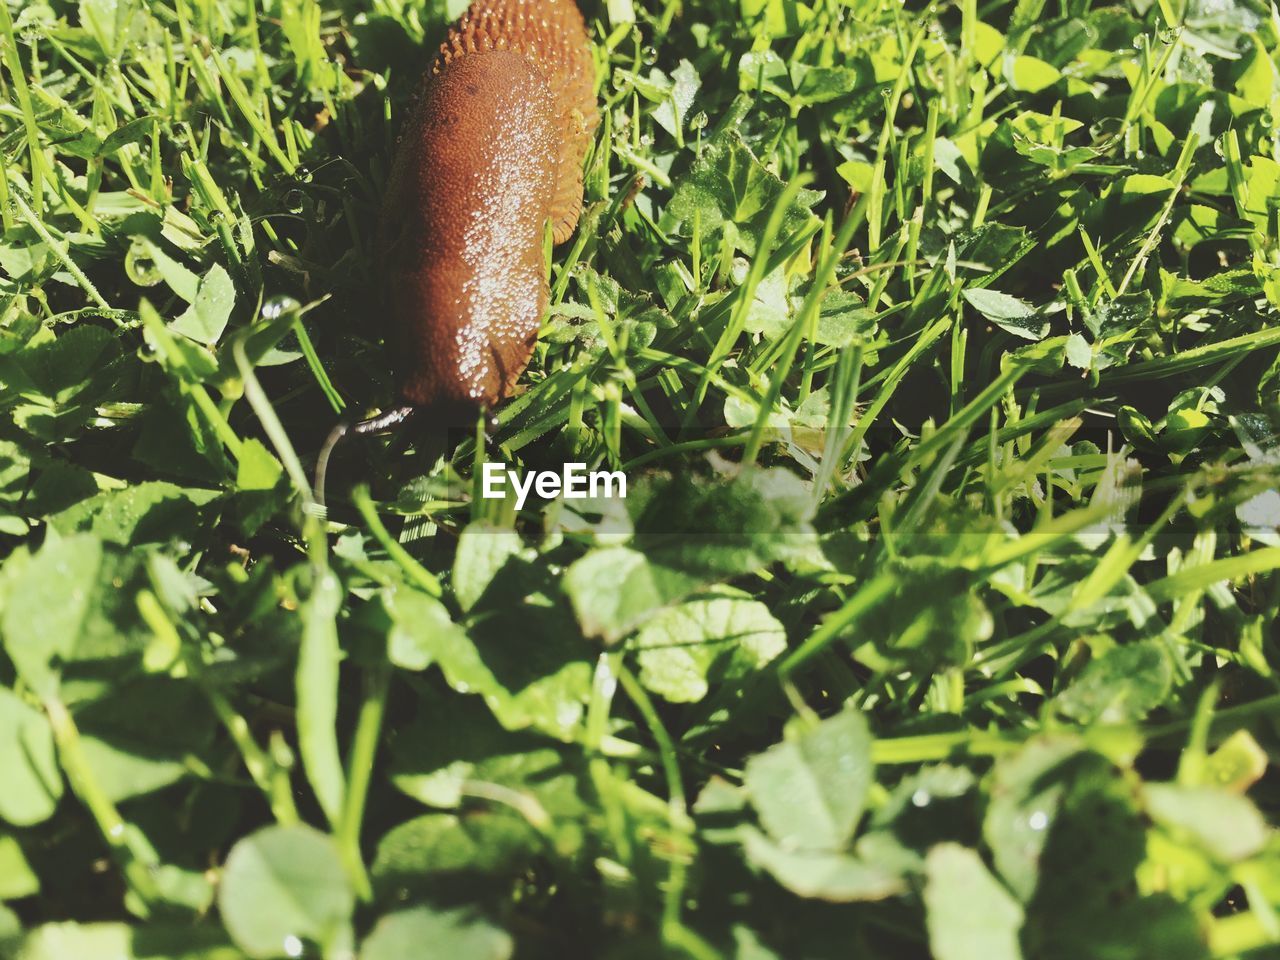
[(491, 152)]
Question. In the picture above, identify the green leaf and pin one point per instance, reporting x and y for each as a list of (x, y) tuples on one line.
[(16, 877), (120, 941), (925, 797), (542, 682), (771, 309), (1136, 428), (482, 552), (614, 590), (836, 877), (684, 648), (1258, 81), (778, 18), (809, 791), (257, 467), (1227, 825), (455, 858), (538, 778), (1184, 429), (970, 916), (33, 782), (712, 530), (148, 264), (760, 70), (1008, 313), (316, 683), (1227, 285), (1122, 686), (140, 736), (1031, 74), (135, 131), (1043, 128), (843, 319), (419, 624), (1091, 928), (1259, 434), (452, 933), (1029, 649), (1026, 792), (1079, 353), (1261, 179), (206, 318), (36, 488), (61, 381), (859, 174), (73, 600), (15, 474), (728, 185), (1237, 763), (815, 85), (112, 23), (674, 108), (152, 511), (620, 11), (1076, 820), (282, 886)]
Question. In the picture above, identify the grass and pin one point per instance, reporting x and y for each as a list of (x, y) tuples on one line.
[(939, 346)]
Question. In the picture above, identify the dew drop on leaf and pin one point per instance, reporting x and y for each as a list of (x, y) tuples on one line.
[(567, 714), (278, 306)]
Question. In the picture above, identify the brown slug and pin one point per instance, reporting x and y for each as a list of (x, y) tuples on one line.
[(491, 152)]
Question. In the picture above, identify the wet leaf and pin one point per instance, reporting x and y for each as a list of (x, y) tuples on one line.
[(282, 886)]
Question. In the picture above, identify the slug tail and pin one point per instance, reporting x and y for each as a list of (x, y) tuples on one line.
[(379, 424)]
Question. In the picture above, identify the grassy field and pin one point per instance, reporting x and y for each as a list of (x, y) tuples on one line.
[(939, 347)]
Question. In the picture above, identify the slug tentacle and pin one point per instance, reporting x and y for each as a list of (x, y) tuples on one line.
[(387, 420)]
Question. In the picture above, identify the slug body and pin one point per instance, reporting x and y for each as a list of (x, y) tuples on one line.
[(491, 153)]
